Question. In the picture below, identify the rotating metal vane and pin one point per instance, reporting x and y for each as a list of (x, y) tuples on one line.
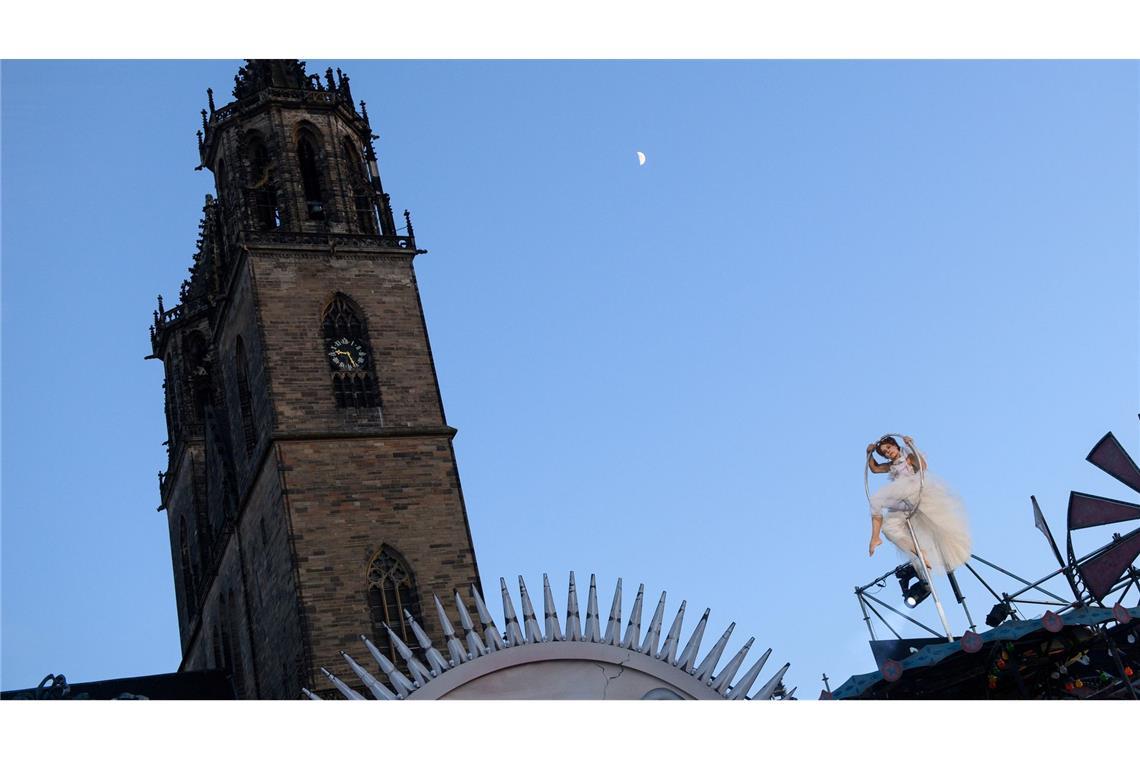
[(1100, 570)]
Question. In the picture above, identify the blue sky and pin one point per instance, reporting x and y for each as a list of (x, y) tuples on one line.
[(666, 373)]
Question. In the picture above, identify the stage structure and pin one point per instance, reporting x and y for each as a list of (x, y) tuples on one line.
[(555, 661), (1083, 646)]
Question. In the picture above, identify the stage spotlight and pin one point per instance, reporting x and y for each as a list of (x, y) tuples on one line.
[(905, 573), (998, 614), (916, 593)]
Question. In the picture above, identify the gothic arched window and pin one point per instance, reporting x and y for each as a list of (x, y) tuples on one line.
[(391, 590), (220, 179), (245, 401), (307, 155), (350, 354), (194, 352), (361, 191), (188, 583), (263, 192)]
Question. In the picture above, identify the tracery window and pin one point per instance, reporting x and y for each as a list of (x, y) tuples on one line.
[(245, 401), (350, 354), (391, 590)]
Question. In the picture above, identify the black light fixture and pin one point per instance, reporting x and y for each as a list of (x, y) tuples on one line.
[(998, 614), (905, 573), (913, 593), (916, 593)]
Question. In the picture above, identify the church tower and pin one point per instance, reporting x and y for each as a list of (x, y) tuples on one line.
[(312, 491)]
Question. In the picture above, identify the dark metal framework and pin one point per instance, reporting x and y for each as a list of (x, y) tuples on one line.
[(1104, 577)]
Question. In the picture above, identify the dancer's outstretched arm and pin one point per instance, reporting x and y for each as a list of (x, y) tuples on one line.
[(915, 459), (873, 464)]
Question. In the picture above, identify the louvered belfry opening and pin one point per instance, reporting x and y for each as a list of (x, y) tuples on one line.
[(355, 387), (310, 178), (391, 590), (263, 191)]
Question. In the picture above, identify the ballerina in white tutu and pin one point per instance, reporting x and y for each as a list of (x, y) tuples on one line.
[(935, 513)]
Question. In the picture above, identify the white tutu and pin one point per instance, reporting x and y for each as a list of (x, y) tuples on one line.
[(936, 514)]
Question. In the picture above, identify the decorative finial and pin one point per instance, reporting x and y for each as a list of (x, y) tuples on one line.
[(205, 124), (408, 221), (364, 112), (329, 79), (210, 98), (160, 309), (344, 90), (199, 133)]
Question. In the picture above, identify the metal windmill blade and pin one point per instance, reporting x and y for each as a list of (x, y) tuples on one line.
[(1101, 569)]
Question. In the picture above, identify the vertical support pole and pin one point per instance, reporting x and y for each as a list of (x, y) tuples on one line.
[(929, 581), (866, 617), (960, 597)]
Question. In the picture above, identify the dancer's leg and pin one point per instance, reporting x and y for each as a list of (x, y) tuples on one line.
[(896, 531)]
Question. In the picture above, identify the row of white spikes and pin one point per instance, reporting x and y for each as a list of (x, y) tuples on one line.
[(529, 633)]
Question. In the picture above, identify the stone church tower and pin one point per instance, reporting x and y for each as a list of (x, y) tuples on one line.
[(312, 490)]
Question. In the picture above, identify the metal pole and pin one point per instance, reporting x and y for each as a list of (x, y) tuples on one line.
[(925, 574), (866, 617), (961, 599), (901, 614), (1029, 585)]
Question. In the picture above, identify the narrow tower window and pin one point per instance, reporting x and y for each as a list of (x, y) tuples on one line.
[(310, 177), (361, 191), (263, 193), (244, 399), (350, 355), (188, 585), (391, 590)]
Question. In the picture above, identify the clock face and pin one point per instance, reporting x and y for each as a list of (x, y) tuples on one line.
[(346, 355)]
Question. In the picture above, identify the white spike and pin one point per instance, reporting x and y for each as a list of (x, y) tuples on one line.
[(740, 690), (435, 660), (721, 683), (592, 633), (490, 632), (342, 687), (475, 647), (573, 620), (420, 674), (530, 620), (379, 690), (649, 646), (668, 653), (705, 670), (633, 629), (689, 654), (398, 680), (549, 612), (310, 694), (613, 624), (514, 633), (454, 648), (768, 689)]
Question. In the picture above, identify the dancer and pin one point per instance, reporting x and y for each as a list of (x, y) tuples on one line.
[(935, 512)]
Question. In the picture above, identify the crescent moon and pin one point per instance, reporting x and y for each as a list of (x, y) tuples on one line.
[(640, 158)]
